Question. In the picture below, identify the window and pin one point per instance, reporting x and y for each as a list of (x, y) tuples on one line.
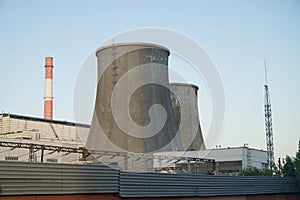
[(12, 158), (52, 160), (264, 165)]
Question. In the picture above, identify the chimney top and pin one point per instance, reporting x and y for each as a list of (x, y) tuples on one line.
[(49, 61)]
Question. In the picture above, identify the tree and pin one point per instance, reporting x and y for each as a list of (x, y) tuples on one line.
[(289, 167), (277, 169), (297, 163)]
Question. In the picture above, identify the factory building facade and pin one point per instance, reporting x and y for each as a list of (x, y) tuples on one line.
[(123, 134), (32, 130), (228, 161)]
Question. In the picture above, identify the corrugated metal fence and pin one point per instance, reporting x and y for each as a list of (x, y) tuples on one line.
[(22, 178), (19, 178), (162, 185)]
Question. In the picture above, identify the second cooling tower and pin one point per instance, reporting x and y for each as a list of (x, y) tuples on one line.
[(133, 110), (185, 108)]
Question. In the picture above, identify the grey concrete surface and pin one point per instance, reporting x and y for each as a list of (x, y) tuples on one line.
[(185, 109), (133, 109)]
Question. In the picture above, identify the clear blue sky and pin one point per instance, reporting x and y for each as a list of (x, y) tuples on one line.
[(238, 36)]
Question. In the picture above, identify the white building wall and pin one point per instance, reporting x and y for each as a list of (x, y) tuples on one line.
[(250, 157), (41, 132), (16, 128)]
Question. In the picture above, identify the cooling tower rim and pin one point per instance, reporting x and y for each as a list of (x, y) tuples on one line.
[(150, 45), (185, 85)]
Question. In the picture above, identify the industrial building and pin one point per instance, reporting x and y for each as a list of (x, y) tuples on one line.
[(24, 129), (228, 161), (122, 137)]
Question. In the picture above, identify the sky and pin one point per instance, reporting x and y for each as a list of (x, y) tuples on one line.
[(237, 35)]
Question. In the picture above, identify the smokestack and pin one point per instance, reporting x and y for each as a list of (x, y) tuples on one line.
[(48, 99)]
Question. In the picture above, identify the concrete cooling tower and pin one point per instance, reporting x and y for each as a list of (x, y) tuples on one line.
[(133, 109), (185, 108)]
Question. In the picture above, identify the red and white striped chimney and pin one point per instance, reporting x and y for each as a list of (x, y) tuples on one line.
[(48, 99)]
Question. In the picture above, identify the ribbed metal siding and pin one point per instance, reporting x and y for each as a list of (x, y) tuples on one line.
[(18, 178), (163, 185), (21, 178)]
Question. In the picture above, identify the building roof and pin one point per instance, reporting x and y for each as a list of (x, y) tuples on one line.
[(44, 120)]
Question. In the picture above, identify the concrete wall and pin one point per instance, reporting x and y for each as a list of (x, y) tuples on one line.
[(142, 70), (185, 107)]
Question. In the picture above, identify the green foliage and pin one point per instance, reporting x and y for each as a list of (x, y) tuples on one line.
[(297, 163), (277, 169), (289, 167), (254, 171)]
